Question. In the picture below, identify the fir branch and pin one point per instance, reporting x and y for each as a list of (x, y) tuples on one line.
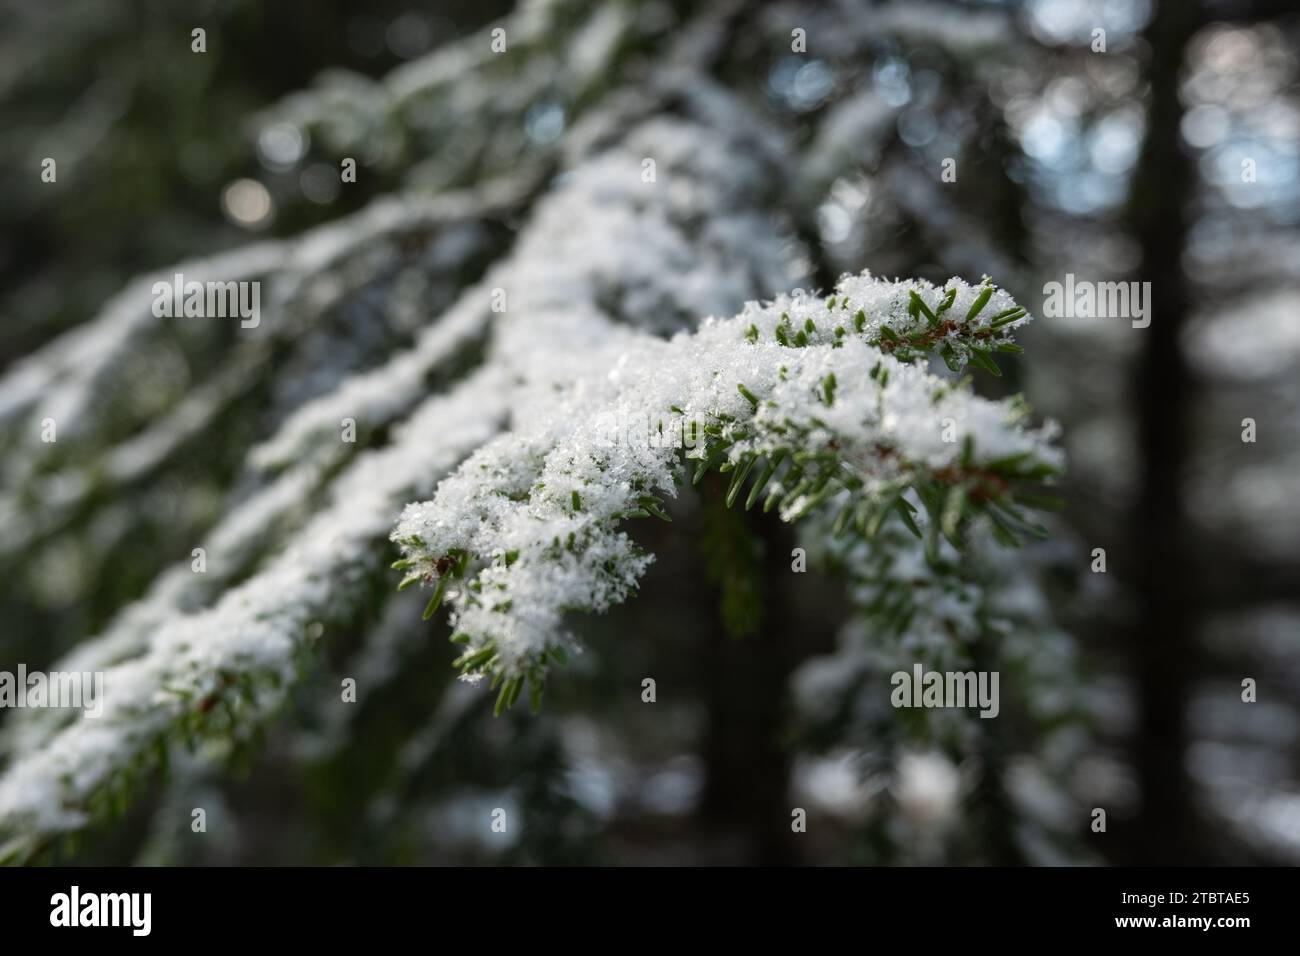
[(834, 422)]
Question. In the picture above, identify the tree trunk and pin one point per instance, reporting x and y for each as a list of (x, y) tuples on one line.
[(1164, 640)]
